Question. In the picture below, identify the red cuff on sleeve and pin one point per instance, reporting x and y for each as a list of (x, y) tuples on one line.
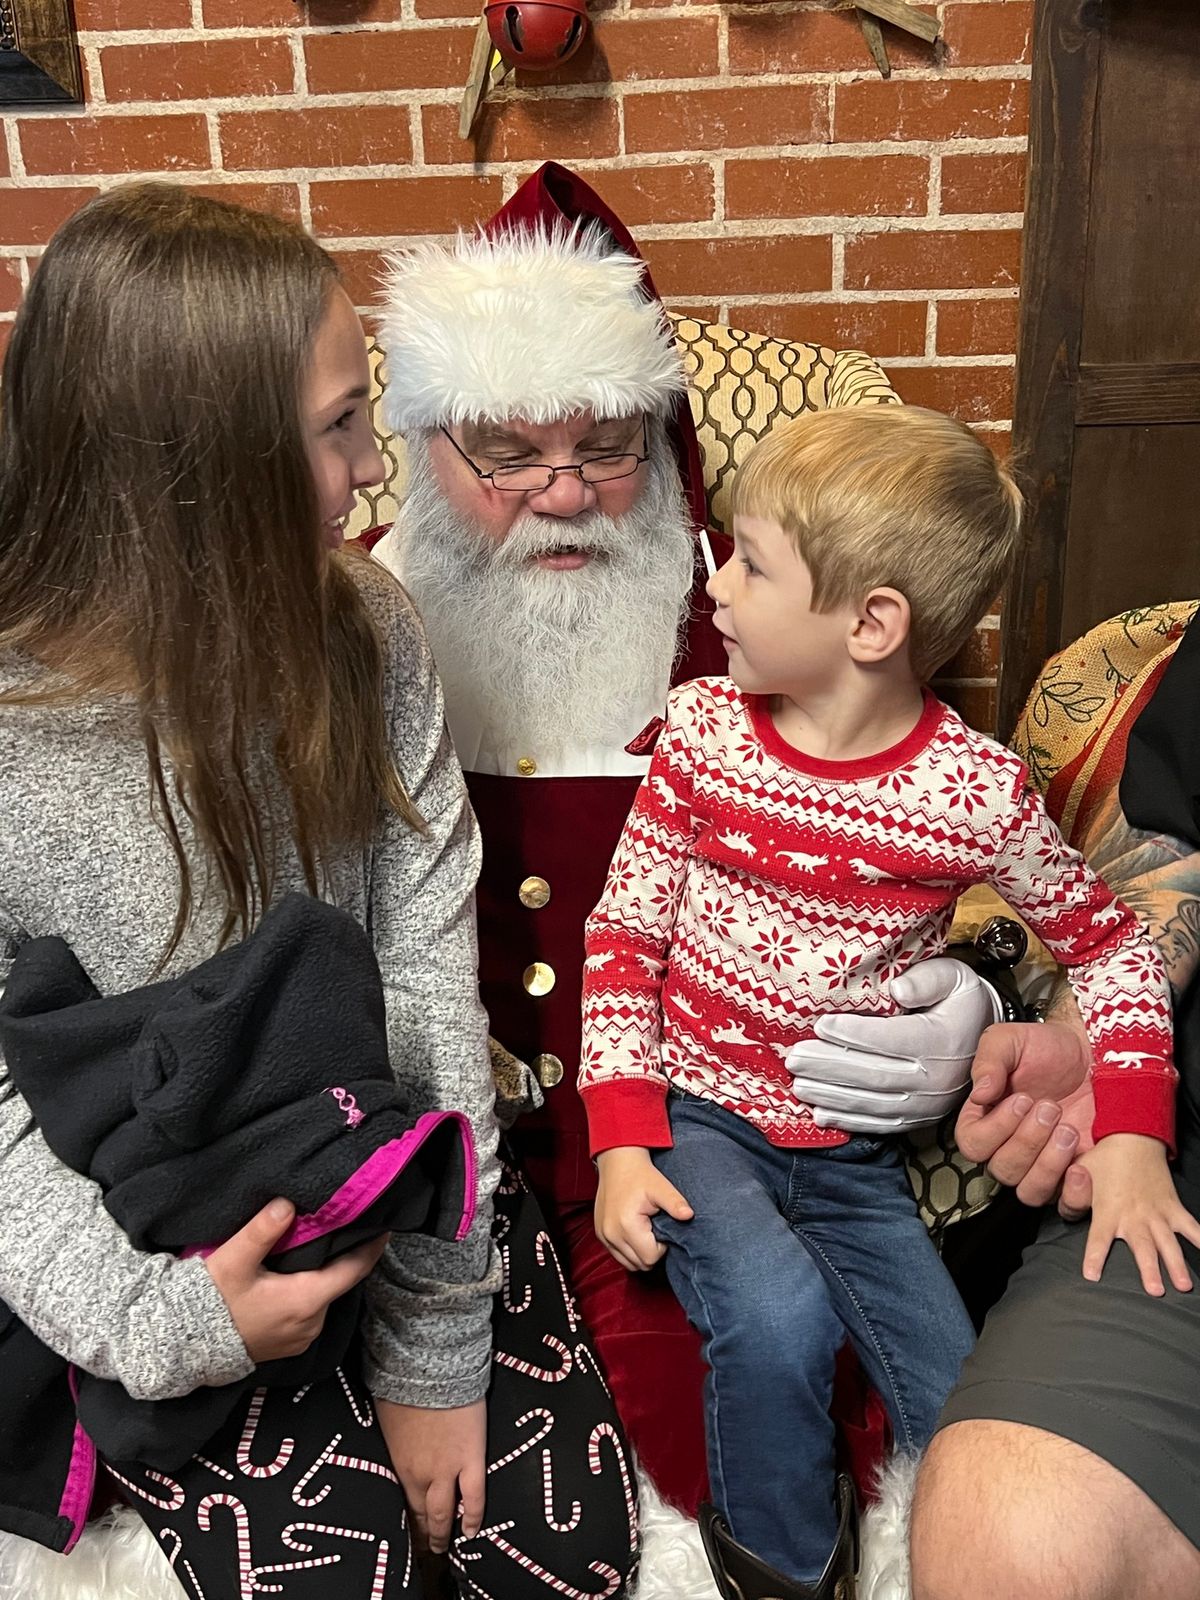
[(627, 1111), (1136, 1102)]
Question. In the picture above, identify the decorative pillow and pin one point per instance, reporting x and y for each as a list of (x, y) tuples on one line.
[(1074, 729)]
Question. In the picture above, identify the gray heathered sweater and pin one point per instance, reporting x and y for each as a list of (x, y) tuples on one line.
[(82, 856)]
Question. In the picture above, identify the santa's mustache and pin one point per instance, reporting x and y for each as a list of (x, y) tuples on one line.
[(591, 533)]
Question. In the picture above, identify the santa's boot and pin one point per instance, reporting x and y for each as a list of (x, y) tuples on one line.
[(742, 1576)]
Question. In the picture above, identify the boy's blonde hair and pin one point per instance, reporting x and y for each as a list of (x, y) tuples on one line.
[(896, 497)]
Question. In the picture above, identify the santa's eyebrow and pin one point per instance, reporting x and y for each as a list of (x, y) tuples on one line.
[(483, 438), (612, 425)]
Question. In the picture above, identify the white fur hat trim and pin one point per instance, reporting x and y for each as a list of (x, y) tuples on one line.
[(532, 325)]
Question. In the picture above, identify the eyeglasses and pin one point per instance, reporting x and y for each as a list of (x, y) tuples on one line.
[(534, 476)]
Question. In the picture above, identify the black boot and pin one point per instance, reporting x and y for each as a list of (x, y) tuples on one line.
[(742, 1576)]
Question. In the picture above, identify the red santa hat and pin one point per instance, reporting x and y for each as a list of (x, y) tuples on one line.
[(549, 309)]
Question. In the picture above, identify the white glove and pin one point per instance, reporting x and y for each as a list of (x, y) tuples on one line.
[(884, 1074)]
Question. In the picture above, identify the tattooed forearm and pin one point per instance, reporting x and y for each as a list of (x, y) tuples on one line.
[(1158, 878), (1179, 941)]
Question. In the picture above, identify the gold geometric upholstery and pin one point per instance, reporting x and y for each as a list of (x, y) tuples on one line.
[(741, 384), (379, 507)]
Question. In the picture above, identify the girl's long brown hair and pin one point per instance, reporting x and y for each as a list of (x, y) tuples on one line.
[(160, 532)]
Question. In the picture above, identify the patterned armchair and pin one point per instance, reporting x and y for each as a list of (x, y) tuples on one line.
[(741, 385)]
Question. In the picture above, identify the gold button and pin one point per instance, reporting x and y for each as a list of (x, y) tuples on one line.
[(534, 893), (527, 766), (539, 978), (548, 1070)]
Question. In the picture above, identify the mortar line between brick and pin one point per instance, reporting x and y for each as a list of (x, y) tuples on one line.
[(16, 161), (95, 78), (935, 183), (300, 68), (952, 361), (416, 129)]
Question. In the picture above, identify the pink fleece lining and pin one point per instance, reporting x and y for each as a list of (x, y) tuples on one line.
[(81, 1476), (381, 1168)]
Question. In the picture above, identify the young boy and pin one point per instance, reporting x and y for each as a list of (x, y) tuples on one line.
[(800, 839)]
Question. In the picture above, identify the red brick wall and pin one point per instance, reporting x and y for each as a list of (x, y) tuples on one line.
[(774, 179)]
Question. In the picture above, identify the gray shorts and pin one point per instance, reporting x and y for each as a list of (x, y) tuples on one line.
[(1103, 1365)]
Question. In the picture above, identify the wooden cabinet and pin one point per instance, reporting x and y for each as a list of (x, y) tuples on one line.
[(1107, 416)]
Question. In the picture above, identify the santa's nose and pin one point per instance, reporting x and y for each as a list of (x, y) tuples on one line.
[(567, 496)]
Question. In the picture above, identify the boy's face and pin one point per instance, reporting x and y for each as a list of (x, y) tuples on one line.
[(776, 642)]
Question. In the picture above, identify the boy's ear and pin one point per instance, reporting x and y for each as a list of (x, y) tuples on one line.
[(882, 628)]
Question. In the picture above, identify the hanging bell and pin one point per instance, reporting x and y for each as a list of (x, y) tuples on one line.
[(537, 35)]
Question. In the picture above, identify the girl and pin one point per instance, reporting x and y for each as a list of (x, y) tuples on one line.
[(204, 704)]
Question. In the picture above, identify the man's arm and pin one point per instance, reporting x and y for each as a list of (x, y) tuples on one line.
[(1158, 878), (1030, 1111)]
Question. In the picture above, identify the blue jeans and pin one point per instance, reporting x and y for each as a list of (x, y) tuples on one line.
[(790, 1251)]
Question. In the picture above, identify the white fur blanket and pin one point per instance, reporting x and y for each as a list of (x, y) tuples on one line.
[(118, 1559)]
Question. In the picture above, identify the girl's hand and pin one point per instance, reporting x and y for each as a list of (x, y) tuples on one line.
[(279, 1314), (1134, 1199), (440, 1459), (631, 1191)]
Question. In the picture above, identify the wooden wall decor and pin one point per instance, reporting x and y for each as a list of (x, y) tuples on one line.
[(39, 59), (1106, 425), (901, 15)]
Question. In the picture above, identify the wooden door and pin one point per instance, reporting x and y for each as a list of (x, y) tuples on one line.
[(1107, 414)]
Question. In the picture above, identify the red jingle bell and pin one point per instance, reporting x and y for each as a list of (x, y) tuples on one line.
[(537, 34)]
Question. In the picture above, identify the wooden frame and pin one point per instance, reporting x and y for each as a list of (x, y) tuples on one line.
[(1065, 77), (39, 59)]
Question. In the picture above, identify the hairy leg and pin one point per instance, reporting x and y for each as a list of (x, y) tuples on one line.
[(1011, 1510)]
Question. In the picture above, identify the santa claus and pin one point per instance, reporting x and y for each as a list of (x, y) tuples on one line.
[(550, 536)]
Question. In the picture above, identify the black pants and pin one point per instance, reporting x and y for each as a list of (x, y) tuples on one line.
[(296, 1497)]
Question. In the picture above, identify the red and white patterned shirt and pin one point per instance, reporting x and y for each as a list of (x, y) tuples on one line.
[(755, 888)]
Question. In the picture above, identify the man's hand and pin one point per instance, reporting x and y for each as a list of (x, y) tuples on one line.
[(1134, 1199), (631, 1191), (279, 1314), (440, 1459), (884, 1074), (1030, 1111)]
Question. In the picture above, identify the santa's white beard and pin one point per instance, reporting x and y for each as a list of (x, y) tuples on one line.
[(552, 659)]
